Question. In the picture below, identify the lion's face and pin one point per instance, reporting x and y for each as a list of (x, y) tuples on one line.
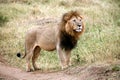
[(74, 25)]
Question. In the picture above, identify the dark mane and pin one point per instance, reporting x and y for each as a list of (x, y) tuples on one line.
[(67, 42)]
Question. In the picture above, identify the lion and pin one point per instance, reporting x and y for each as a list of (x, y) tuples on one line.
[(61, 37)]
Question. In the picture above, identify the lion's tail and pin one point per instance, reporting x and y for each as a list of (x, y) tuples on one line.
[(20, 56)]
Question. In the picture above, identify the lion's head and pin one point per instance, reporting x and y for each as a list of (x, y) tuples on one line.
[(72, 23)]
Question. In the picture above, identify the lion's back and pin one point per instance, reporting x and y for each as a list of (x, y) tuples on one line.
[(43, 36)]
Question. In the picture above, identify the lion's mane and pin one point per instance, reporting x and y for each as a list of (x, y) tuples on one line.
[(68, 38)]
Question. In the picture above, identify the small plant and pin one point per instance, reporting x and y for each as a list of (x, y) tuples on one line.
[(118, 22), (78, 59), (64, 3), (116, 68), (3, 19), (45, 1)]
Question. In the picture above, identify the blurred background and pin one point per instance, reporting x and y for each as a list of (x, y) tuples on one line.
[(99, 43)]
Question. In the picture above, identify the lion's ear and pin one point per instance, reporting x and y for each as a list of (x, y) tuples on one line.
[(81, 17), (66, 16)]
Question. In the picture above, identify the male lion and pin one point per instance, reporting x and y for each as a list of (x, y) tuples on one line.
[(62, 37)]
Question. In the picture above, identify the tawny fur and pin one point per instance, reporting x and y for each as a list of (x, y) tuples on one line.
[(62, 37)]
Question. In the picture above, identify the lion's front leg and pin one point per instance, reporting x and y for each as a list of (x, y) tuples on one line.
[(67, 58), (62, 57)]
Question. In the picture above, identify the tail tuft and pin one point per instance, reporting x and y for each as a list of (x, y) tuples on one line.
[(18, 55)]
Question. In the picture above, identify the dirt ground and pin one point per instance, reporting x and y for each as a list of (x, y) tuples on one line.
[(86, 72)]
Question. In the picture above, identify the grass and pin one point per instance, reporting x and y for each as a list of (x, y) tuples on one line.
[(116, 68), (99, 43), (3, 19)]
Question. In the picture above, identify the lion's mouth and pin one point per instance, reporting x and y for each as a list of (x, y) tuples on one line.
[(79, 29)]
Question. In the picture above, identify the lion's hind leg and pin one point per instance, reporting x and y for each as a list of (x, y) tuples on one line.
[(36, 53), (28, 58)]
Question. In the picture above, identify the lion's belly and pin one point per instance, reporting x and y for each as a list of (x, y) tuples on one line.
[(47, 40), (47, 45)]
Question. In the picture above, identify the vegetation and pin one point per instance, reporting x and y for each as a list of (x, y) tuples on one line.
[(100, 42)]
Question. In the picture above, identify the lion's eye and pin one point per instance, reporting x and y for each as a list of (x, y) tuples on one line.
[(80, 19), (74, 20)]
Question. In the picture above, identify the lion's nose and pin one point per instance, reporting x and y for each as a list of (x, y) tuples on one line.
[(79, 25)]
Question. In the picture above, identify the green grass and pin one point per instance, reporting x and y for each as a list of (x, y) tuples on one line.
[(100, 42), (116, 68), (3, 19)]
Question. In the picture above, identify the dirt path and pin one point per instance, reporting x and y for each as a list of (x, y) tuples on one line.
[(92, 72), (22, 75)]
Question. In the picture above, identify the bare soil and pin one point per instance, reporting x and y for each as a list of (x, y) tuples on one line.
[(86, 72)]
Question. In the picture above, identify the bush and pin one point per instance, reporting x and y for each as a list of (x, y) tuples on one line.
[(3, 19)]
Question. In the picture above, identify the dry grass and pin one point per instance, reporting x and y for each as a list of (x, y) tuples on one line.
[(100, 42)]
